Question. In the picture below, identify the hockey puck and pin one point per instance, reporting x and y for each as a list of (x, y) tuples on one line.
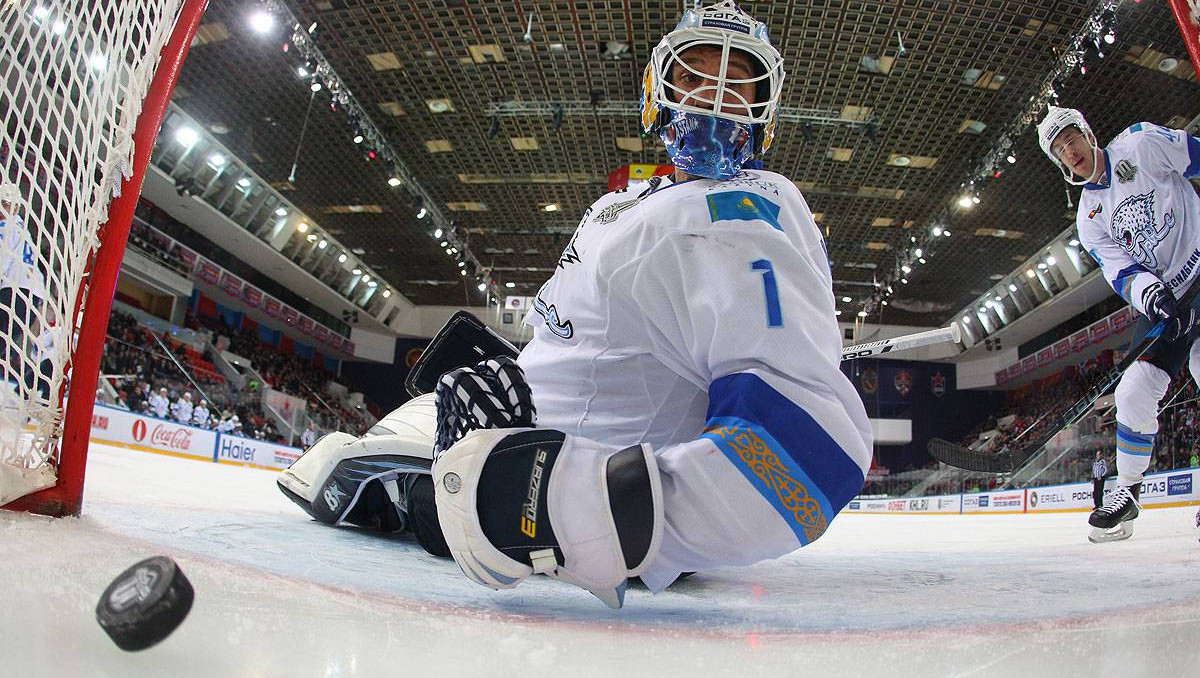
[(145, 604)]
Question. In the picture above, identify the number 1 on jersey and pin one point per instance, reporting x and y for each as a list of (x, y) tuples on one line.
[(774, 315)]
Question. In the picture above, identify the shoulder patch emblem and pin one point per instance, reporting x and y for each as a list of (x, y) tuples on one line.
[(743, 206), (609, 214), (1125, 171), (1098, 209)]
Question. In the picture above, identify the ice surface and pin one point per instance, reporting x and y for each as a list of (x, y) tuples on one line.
[(280, 595)]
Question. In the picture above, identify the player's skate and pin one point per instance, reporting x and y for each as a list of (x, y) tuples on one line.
[(1110, 522)]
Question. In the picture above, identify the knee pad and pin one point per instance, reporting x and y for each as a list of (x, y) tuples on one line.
[(514, 502), (1137, 396)]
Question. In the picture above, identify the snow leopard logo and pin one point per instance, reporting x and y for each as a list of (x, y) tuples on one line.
[(1133, 227)]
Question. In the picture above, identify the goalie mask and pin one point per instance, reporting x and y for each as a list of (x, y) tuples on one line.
[(1057, 120), (714, 122)]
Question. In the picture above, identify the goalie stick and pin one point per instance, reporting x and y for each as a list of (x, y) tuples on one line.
[(951, 333), (1016, 453)]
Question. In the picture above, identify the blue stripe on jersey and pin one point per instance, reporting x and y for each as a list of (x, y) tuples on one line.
[(1132, 442), (1193, 168), (743, 206), (1124, 280), (782, 451)]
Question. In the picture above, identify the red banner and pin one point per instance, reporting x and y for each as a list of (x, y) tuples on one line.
[(290, 314), (231, 284), (1029, 364), (307, 324), (1121, 319), (1062, 348), (252, 296), (1187, 17), (1098, 330), (1044, 356), (207, 271), (273, 307), (188, 255), (322, 334)]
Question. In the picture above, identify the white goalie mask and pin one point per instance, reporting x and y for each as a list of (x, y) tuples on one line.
[(727, 28), (1057, 120)]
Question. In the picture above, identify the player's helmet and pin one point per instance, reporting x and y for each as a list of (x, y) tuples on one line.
[(714, 139), (1057, 120)]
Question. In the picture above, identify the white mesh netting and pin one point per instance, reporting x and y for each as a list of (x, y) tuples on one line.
[(73, 76)]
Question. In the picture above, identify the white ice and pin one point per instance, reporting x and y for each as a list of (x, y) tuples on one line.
[(879, 596)]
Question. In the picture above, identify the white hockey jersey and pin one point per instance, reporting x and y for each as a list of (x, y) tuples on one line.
[(698, 316), (1142, 221), (18, 258)]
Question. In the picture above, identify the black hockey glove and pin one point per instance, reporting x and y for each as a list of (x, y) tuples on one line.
[(1160, 304), (493, 394)]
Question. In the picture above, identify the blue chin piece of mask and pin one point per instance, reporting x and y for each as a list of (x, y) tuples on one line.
[(707, 146)]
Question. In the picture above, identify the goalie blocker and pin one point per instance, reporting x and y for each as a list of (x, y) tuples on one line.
[(515, 502)]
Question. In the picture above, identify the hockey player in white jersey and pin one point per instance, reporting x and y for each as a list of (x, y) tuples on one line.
[(1139, 218), (684, 364)]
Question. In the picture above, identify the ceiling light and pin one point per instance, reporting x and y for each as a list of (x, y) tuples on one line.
[(1012, 159), (1029, 273), (280, 211), (462, 264), (937, 230), (448, 251), (837, 312), (323, 244), (462, 271), (1042, 266), (1012, 287), (316, 86), (422, 213), (482, 287), (902, 161), (1073, 242), (366, 278), (552, 207), (921, 259), (261, 22), (847, 300), (946, 233), (904, 281), (372, 284), (302, 72), (1109, 38), (906, 268), (302, 227), (967, 320), (244, 182), (358, 138), (1050, 261), (187, 136), (394, 181), (918, 252), (312, 237), (342, 258), (999, 298), (884, 302), (975, 199), (862, 314), (387, 293), (357, 271), (216, 160), (965, 202), (437, 232), (510, 285)]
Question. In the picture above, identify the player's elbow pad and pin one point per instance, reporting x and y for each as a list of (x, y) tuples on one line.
[(514, 502)]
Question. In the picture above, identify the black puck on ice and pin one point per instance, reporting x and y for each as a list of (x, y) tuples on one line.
[(145, 604)]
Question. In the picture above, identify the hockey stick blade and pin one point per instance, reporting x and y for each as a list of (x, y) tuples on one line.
[(1014, 455)]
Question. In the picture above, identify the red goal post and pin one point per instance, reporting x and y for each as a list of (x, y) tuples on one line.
[(113, 84)]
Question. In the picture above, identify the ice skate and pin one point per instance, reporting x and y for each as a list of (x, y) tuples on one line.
[(1110, 522)]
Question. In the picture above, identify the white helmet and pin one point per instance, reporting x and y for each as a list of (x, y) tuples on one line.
[(728, 28), (1057, 120)]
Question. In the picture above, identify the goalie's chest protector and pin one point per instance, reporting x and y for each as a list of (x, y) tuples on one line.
[(592, 370)]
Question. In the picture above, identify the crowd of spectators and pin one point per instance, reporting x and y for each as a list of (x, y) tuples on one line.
[(157, 246), (148, 381)]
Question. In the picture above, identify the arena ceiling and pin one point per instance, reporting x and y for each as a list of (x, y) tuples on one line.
[(964, 64)]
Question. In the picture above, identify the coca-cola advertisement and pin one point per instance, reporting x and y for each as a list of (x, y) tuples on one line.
[(122, 427)]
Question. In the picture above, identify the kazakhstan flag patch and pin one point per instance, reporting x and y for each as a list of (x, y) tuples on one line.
[(743, 206)]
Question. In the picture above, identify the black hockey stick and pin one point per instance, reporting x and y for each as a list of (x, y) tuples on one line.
[(1018, 451)]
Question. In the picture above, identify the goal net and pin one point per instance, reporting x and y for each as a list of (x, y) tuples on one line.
[(82, 87)]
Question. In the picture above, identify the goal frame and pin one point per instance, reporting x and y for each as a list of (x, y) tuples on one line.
[(65, 497)]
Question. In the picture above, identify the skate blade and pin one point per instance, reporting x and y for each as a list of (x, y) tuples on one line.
[(1118, 533)]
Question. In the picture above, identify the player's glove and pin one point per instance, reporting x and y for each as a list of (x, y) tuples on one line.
[(493, 394), (1160, 305)]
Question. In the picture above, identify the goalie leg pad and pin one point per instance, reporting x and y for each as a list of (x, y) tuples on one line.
[(513, 502)]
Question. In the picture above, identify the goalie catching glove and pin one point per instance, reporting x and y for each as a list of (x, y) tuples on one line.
[(514, 502)]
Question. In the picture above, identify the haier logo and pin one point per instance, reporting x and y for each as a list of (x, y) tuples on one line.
[(236, 450)]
